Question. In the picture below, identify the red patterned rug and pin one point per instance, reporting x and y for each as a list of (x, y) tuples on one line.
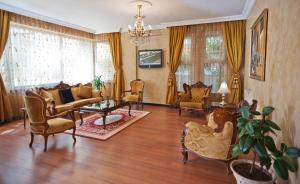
[(90, 130)]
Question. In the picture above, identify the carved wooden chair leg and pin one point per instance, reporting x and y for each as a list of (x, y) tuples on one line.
[(228, 167), (46, 141), (73, 135), (184, 149), (32, 138)]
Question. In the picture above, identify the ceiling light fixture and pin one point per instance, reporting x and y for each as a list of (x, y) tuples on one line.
[(139, 33)]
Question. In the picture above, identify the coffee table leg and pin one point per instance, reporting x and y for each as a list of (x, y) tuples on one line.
[(129, 106), (104, 119)]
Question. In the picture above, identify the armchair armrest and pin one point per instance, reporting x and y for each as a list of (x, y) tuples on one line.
[(69, 112), (125, 91)]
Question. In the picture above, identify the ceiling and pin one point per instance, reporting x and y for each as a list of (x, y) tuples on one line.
[(100, 16)]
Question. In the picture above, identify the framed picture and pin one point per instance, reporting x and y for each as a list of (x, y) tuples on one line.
[(150, 58), (259, 46)]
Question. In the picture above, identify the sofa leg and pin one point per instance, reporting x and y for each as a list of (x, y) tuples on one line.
[(32, 138), (73, 134)]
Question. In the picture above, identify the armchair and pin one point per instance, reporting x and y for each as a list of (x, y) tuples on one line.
[(194, 97), (136, 93), (214, 140), (44, 125)]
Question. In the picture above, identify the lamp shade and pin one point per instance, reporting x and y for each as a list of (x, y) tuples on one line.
[(224, 88)]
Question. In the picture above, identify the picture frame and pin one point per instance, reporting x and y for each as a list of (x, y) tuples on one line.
[(259, 47), (150, 58)]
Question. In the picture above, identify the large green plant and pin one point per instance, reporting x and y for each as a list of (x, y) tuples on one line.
[(254, 134), (98, 84)]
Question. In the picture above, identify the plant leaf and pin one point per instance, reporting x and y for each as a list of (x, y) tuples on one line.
[(242, 133), (267, 129), (246, 142), (272, 125), (236, 151), (250, 129), (245, 112), (289, 164), (293, 152), (267, 110), (260, 148), (265, 161), (269, 142), (283, 147), (256, 113), (242, 122), (281, 169)]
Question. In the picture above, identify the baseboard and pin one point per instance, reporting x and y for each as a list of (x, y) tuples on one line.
[(156, 104)]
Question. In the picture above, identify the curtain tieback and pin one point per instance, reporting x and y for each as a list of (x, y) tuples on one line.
[(236, 80), (171, 79)]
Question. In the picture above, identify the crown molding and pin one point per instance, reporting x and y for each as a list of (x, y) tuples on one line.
[(244, 15), (43, 18)]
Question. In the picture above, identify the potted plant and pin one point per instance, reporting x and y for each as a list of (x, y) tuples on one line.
[(98, 84), (254, 135)]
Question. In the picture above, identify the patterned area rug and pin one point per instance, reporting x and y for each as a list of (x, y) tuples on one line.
[(90, 130)]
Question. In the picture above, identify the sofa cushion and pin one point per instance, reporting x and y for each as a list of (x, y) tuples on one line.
[(75, 91), (66, 95), (63, 107), (79, 103), (95, 93), (55, 96), (85, 91), (46, 95), (198, 94)]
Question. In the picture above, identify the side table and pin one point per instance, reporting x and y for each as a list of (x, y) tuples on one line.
[(229, 107)]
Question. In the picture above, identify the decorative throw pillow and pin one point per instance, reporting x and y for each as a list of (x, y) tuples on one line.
[(46, 94), (66, 95), (198, 94), (85, 91)]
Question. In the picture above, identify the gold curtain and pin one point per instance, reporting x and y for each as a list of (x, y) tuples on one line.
[(176, 45), (234, 39), (5, 106), (114, 40)]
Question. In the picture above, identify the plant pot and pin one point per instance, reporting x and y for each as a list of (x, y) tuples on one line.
[(244, 180)]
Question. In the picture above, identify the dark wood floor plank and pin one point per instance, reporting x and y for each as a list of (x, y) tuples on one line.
[(147, 152)]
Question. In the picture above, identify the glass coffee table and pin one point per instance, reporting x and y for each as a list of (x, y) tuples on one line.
[(104, 108)]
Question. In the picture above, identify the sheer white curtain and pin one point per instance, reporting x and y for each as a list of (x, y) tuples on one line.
[(203, 56), (103, 64), (35, 57)]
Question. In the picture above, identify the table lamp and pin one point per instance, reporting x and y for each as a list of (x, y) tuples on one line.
[(223, 90)]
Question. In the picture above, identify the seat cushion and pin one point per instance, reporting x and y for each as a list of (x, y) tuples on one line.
[(59, 125), (85, 91), (94, 100), (131, 98), (80, 103), (193, 105), (63, 107), (198, 94), (66, 95)]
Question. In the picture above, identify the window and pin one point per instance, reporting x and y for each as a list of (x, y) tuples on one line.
[(103, 64), (183, 73), (214, 63), (35, 57)]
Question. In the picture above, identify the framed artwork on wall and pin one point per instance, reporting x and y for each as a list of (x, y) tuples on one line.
[(259, 47), (150, 58)]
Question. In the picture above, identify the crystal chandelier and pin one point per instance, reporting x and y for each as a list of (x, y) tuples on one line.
[(139, 34)]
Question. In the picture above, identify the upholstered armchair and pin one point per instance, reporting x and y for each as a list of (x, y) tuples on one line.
[(135, 93), (44, 125), (215, 139), (194, 97)]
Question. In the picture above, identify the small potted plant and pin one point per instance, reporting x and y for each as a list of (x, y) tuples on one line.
[(254, 135), (98, 84)]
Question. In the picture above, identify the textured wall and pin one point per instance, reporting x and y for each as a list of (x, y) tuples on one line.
[(281, 88), (155, 78)]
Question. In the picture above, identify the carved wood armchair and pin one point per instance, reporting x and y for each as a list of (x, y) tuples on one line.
[(41, 123), (136, 93), (194, 97), (214, 140)]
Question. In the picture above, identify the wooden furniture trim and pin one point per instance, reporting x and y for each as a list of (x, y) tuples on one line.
[(140, 94)]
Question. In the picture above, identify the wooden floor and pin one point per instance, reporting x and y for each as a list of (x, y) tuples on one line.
[(147, 152)]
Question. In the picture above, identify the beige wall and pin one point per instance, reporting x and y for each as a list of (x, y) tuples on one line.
[(155, 78), (281, 87)]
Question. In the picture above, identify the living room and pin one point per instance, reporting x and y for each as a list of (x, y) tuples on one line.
[(149, 91)]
